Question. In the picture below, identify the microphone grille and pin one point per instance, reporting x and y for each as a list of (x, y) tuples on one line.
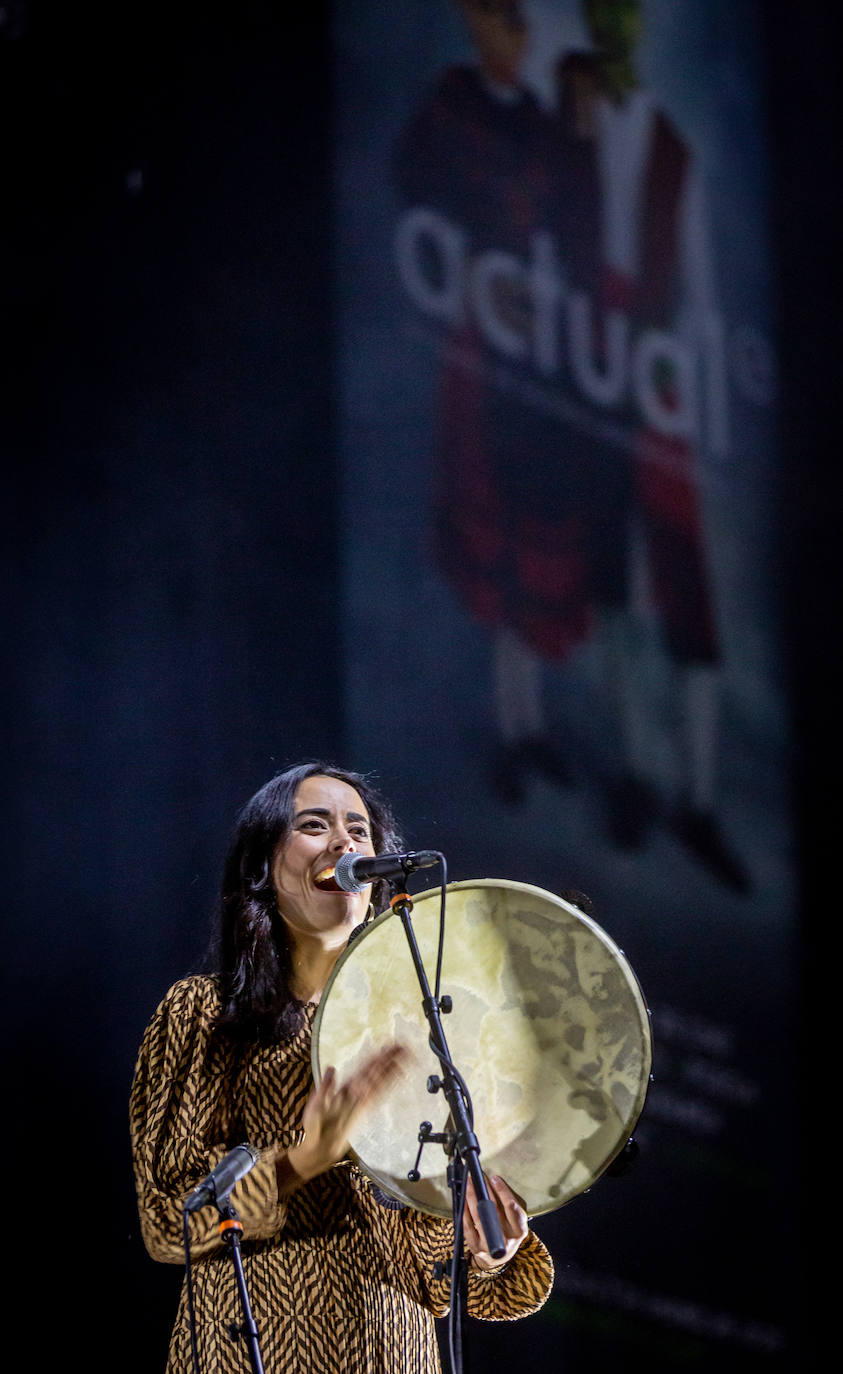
[(344, 873)]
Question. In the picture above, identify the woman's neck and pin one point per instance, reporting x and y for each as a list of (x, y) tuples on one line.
[(312, 965)]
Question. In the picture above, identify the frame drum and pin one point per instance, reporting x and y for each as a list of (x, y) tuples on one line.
[(549, 1030)]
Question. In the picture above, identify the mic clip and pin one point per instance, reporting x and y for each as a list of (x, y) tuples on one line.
[(427, 1136)]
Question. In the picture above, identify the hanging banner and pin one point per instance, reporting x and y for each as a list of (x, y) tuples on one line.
[(558, 429)]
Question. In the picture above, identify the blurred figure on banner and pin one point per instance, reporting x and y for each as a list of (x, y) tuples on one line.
[(657, 301), (487, 184), (340, 1275), (561, 253)]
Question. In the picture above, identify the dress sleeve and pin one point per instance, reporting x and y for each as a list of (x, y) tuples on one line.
[(178, 1130), (517, 1289)]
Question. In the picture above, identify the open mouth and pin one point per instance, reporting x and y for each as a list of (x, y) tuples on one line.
[(326, 882)]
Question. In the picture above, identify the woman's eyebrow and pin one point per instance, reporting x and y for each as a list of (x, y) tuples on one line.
[(324, 811)]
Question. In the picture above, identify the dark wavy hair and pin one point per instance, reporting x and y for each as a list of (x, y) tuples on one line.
[(251, 950)]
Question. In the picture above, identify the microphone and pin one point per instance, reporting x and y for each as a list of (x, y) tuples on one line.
[(220, 1181), (353, 872)]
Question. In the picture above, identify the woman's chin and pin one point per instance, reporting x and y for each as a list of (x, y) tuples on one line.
[(346, 908)]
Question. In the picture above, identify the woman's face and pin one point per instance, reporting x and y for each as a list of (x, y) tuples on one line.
[(329, 819)]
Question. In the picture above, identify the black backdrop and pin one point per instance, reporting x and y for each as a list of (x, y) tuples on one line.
[(172, 580)]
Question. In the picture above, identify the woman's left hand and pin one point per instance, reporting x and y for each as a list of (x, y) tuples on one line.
[(511, 1215)]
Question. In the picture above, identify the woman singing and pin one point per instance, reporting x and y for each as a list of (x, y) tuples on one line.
[(340, 1276)]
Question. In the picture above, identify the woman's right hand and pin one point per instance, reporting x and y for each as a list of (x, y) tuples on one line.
[(333, 1108)]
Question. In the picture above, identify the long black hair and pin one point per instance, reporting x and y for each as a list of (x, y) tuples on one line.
[(252, 948)]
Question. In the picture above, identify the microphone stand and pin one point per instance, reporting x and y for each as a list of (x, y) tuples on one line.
[(459, 1273), (230, 1231), (461, 1143)]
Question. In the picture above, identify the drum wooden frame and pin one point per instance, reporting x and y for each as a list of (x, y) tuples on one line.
[(549, 1030)]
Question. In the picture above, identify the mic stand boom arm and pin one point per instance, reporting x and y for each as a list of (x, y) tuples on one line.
[(466, 1145)]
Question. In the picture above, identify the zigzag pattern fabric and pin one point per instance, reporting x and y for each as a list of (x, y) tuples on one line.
[(336, 1280)]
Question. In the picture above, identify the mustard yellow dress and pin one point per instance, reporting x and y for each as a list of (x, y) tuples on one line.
[(338, 1280)]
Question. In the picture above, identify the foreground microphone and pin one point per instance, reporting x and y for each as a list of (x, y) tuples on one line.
[(220, 1181), (353, 872)]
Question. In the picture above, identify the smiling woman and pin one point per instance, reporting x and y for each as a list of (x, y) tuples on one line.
[(275, 923), (330, 820), (340, 1275)]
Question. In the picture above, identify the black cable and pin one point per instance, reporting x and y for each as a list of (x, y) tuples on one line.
[(447, 1064), (439, 957), (441, 948), (456, 1278)]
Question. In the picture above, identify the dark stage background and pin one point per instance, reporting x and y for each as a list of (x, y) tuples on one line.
[(178, 596)]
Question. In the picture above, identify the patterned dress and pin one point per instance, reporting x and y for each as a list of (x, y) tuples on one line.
[(338, 1279)]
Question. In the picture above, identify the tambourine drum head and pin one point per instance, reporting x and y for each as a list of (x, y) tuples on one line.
[(549, 1030)]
